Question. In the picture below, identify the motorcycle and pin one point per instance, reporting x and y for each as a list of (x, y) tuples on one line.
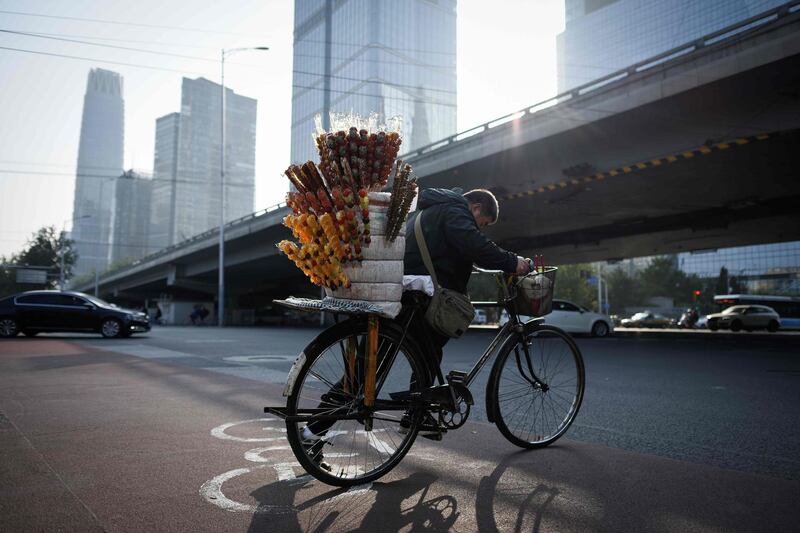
[(688, 319)]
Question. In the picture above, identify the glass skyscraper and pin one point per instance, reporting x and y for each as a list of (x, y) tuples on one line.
[(165, 168), (186, 191), (364, 56), (602, 36), (100, 159), (131, 215)]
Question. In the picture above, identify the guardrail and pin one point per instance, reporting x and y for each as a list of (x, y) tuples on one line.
[(716, 38), (674, 54), (191, 240)]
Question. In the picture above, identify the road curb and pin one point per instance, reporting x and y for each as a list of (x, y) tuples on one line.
[(789, 336)]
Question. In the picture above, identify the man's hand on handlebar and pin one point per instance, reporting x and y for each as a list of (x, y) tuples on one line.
[(524, 266)]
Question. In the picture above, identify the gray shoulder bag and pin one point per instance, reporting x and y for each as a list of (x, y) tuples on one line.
[(450, 312)]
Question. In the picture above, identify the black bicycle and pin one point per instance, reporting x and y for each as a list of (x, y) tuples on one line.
[(367, 386)]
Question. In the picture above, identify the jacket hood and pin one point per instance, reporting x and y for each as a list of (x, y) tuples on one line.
[(430, 197)]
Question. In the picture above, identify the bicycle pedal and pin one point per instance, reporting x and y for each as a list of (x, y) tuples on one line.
[(457, 376), (433, 436)]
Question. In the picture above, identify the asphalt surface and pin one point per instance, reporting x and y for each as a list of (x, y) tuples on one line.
[(165, 432), (728, 400)]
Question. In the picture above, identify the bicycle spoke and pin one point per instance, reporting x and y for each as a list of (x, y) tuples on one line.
[(352, 452), (535, 416)]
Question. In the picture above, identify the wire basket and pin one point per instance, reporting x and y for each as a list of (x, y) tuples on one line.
[(535, 293)]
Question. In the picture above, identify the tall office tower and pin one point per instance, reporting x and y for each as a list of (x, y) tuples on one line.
[(389, 57), (602, 36), (165, 168), (131, 215), (99, 163), (197, 198)]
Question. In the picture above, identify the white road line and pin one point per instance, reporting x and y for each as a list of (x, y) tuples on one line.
[(211, 491), (219, 431), (285, 471), (259, 359), (254, 455), (379, 445)]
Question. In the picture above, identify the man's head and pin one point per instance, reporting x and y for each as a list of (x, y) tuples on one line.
[(484, 206)]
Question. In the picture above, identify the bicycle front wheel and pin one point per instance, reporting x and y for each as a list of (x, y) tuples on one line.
[(538, 393), (331, 383)]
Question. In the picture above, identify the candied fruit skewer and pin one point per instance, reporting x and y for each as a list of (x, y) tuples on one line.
[(408, 197), (325, 201), (364, 205)]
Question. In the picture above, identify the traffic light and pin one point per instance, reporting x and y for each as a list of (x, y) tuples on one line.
[(696, 294)]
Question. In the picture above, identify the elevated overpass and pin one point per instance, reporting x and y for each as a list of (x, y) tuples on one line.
[(691, 149)]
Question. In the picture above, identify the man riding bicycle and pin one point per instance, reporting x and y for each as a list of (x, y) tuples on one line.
[(452, 231)]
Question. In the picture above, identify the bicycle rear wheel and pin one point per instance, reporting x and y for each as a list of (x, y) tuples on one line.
[(531, 413), (347, 453)]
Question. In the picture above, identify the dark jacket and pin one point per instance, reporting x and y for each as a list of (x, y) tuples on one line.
[(454, 241)]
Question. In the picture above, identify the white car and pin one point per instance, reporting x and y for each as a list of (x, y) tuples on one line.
[(574, 319), (480, 318)]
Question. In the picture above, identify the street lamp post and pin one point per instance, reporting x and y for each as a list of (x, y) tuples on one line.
[(221, 289)]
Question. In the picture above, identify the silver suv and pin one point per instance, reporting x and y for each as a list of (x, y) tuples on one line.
[(747, 317)]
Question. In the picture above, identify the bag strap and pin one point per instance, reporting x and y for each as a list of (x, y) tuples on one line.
[(423, 249)]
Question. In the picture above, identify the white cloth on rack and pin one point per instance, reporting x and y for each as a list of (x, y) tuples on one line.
[(418, 283)]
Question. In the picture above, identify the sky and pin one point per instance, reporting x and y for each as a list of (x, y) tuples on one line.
[(506, 62)]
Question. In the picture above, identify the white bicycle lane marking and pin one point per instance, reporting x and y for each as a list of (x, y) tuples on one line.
[(219, 431), (212, 492)]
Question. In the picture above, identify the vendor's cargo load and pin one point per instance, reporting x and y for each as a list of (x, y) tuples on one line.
[(350, 236)]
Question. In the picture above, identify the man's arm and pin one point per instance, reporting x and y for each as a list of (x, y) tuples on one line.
[(462, 233)]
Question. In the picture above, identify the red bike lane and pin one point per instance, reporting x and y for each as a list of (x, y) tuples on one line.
[(96, 440)]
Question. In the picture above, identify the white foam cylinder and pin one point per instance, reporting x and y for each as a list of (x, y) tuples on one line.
[(375, 272), (380, 249), (369, 292)]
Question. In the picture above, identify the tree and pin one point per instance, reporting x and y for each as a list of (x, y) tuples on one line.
[(571, 286), (662, 277), (623, 290), (42, 250), (722, 281)]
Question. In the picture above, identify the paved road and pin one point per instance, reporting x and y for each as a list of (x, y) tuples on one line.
[(729, 401), (164, 432)]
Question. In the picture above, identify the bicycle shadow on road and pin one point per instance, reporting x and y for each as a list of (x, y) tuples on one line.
[(381, 507), (529, 511)]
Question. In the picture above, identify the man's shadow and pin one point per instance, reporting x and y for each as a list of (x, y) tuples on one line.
[(379, 508)]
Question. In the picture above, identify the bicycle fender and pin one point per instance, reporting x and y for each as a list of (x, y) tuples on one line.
[(491, 398), (293, 373)]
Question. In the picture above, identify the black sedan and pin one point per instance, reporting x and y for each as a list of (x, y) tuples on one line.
[(38, 311)]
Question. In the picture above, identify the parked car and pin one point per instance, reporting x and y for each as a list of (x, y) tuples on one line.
[(646, 319), (480, 317), (574, 318), (747, 317), (35, 312)]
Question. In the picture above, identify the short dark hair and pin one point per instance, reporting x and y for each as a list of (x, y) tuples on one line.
[(487, 201)]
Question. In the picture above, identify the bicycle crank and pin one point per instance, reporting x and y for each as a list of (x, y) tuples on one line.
[(456, 418)]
